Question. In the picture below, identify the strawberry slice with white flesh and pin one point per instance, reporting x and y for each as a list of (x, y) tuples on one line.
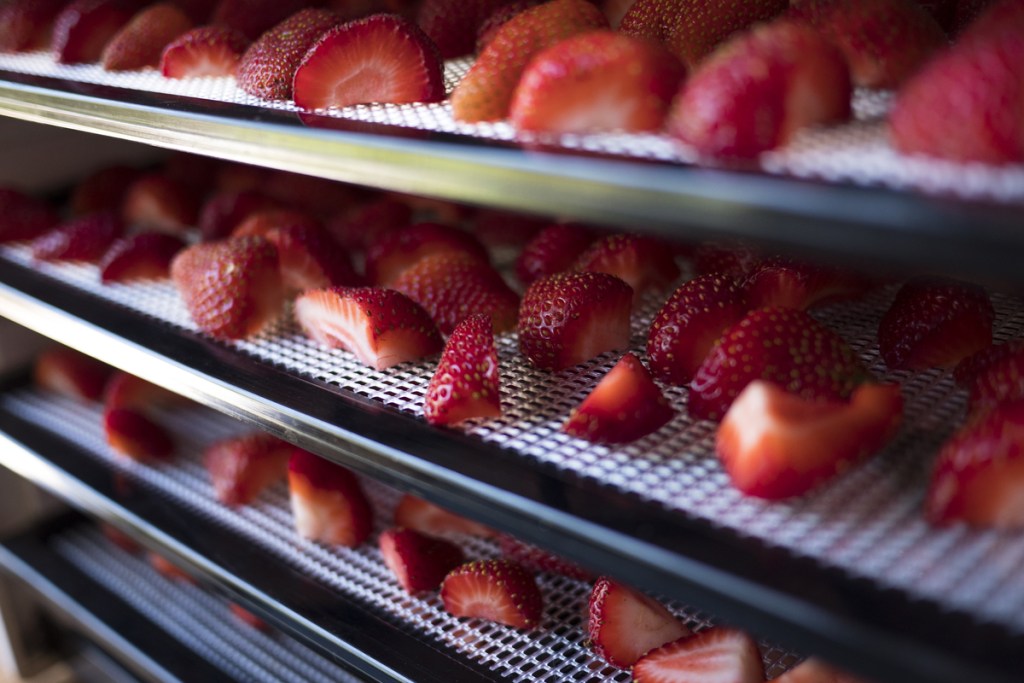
[(203, 51), (495, 590), (816, 671), (717, 655), (242, 467), (71, 373), (327, 500), (624, 624), (136, 436), (416, 513)]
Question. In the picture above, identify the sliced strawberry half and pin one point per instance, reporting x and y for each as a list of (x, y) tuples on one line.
[(136, 436), (538, 560), (732, 258), (935, 323), (775, 444), (81, 239), (143, 256), (416, 513), (141, 42), (643, 263), (393, 252), (496, 228), (319, 197), (690, 323), (382, 58), (418, 561), (68, 372), (494, 590), (359, 226), (232, 289), (381, 327), (226, 210), (624, 406), (816, 671), (498, 18), (242, 467), (717, 654), (157, 202), (624, 624), (204, 51), (993, 376), (84, 28), (253, 17), (452, 24), (103, 190), (247, 617), (327, 500), (787, 283), (23, 217), (554, 249), (26, 25), (126, 391), (466, 383)]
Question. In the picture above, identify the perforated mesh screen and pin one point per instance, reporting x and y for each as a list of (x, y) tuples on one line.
[(856, 153)]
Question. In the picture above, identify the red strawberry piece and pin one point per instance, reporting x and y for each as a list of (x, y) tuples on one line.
[(816, 671), (226, 210), (127, 391), (486, 92), (624, 406), (393, 252), (68, 372), (534, 559), (242, 467), (979, 473), (567, 319), (494, 590), (142, 40), (318, 196), (616, 10), (884, 41), (327, 500), (103, 190), (265, 221), (232, 289), (600, 80), (253, 17), (359, 226), (419, 562), (168, 569), (976, 365), (779, 345), (120, 538), (775, 444), (497, 228), (382, 58), (204, 51), (158, 202), (268, 66), (81, 239), (416, 513), (690, 323), (136, 436), (143, 256), (555, 249), (759, 89), (453, 24), (434, 210), (997, 20), (26, 25), (997, 379), (84, 28), (23, 217), (717, 654), (732, 258), (935, 323), (641, 262), (194, 171), (498, 17), (247, 617), (787, 283), (381, 327), (234, 177), (466, 383), (624, 624), (452, 287)]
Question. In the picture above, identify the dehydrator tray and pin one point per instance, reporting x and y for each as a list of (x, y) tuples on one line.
[(345, 600), (848, 569), (837, 191)]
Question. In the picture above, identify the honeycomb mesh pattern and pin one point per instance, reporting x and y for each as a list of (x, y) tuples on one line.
[(856, 153), (554, 652)]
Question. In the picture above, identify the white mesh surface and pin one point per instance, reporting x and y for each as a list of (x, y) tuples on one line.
[(856, 153)]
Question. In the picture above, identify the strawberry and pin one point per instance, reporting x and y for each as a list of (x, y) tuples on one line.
[(979, 473), (381, 327), (68, 372), (236, 177), (168, 569), (232, 289), (155, 201), (495, 590), (419, 562), (498, 17), (81, 239), (225, 210), (555, 249), (23, 217), (734, 259), (142, 256), (641, 262), (242, 467), (382, 58), (935, 323), (452, 286), (268, 67), (355, 228), (319, 197), (788, 283), (434, 210), (814, 670), (690, 323), (393, 252), (616, 10), (486, 92), (534, 559), (994, 21), (26, 25), (120, 538), (997, 376), (196, 172), (416, 513), (204, 51), (717, 654), (453, 24), (496, 228), (465, 384), (135, 436), (883, 41), (266, 221), (775, 444), (103, 190), (84, 28), (126, 391), (624, 406), (594, 81), (247, 617), (253, 17), (759, 89), (967, 11), (142, 40), (624, 625), (327, 500), (779, 345), (978, 364), (567, 319)]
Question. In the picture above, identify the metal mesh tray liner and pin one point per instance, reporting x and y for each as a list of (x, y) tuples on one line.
[(857, 152), (194, 617), (556, 651)]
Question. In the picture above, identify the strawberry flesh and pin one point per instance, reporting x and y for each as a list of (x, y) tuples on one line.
[(81, 239), (537, 560), (157, 202), (452, 25), (141, 41), (465, 384), (393, 252), (204, 51), (142, 256), (226, 210), (242, 467), (328, 502), (25, 25), (83, 29), (624, 625), (816, 671), (553, 250), (68, 372), (358, 226), (23, 217), (103, 190), (416, 513), (419, 562), (126, 391), (641, 262), (717, 654), (168, 569), (247, 617), (136, 436), (786, 283), (494, 590)]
